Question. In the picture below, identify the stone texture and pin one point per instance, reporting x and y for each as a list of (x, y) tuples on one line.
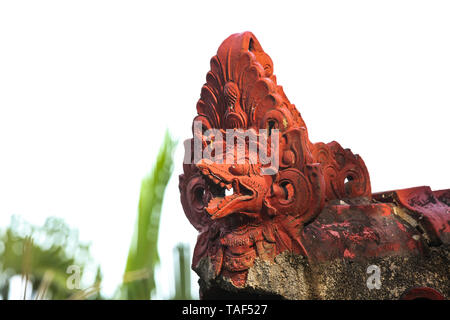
[(291, 276)]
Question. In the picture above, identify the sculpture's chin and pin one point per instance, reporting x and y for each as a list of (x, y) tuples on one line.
[(238, 220)]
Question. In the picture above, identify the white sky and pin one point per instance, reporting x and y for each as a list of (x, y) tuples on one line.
[(87, 89)]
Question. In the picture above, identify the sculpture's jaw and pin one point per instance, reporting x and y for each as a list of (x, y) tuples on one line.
[(231, 194)]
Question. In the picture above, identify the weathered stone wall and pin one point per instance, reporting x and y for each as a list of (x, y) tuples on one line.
[(293, 277)]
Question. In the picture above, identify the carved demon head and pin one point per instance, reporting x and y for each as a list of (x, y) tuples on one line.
[(243, 209)]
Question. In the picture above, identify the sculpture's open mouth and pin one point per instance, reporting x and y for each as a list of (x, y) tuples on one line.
[(228, 192)]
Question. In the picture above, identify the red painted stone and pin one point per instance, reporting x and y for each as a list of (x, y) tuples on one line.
[(319, 204), (430, 209)]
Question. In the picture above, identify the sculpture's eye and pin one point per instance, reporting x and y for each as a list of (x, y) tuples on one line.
[(239, 169), (198, 196)]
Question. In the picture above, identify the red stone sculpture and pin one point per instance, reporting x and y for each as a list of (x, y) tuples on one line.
[(318, 204)]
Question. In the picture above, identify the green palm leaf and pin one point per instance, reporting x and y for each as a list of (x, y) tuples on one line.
[(139, 280)]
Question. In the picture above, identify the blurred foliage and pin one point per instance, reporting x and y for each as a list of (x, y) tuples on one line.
[(182, 273), (139, 277), (42, 255)]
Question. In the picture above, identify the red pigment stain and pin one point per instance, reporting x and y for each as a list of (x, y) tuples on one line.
[(348, 254), (386, 211), (391, 247), (412, 244), (366, 235), (401, 226), (334, 233)]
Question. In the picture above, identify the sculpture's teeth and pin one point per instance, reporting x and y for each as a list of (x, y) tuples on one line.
[(221, 204), (235, 186), (214, 203)]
